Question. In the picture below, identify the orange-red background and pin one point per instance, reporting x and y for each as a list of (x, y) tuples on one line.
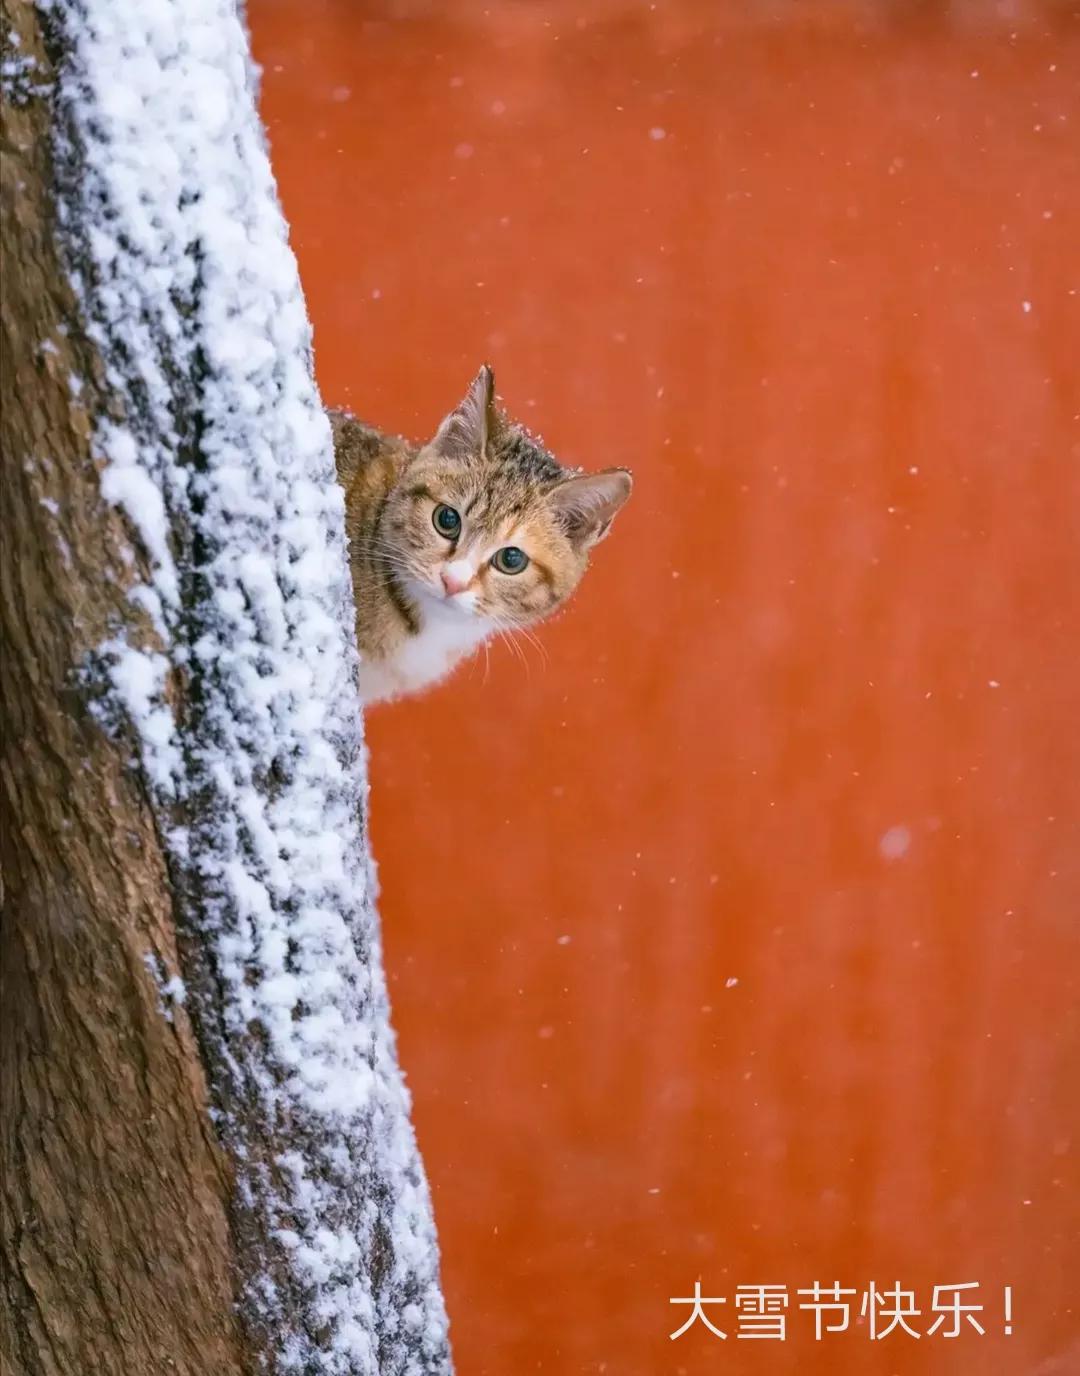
[(734, 937)]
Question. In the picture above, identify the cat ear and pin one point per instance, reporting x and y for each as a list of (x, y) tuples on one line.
[(467, 429), (586, 506)]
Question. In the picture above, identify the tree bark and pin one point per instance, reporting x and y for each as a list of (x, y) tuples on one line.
[(161, 1174)]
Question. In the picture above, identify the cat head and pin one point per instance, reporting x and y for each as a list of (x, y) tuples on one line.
[(484, 523)]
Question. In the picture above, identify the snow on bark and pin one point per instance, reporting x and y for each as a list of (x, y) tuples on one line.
[(240, 687)]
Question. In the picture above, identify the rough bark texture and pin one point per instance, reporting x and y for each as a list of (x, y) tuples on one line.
[(295, 1233), (115, 1237)]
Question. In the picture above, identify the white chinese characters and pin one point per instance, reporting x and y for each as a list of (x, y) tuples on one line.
[(761, 1311)]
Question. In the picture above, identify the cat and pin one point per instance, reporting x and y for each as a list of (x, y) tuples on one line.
[(477, 532)]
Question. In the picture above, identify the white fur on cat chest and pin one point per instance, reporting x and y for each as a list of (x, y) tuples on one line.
[(447, 634)]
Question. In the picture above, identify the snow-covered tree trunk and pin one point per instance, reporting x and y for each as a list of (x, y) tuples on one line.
[(207, 1161)]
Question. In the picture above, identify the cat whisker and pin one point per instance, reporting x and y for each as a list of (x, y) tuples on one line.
[(514, 646), (534, 640), (389, 561), (507, 641), (509, 630)]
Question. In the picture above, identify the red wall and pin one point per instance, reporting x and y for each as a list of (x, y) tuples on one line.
[(734, 934)]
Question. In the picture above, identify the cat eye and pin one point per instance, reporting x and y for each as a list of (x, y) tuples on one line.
[(446, 520), (509, 559)]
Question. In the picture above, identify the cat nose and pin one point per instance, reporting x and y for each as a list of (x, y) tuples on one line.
[(456, 577)]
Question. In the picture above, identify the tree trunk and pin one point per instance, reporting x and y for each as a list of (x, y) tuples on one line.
[(207, 1163)]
